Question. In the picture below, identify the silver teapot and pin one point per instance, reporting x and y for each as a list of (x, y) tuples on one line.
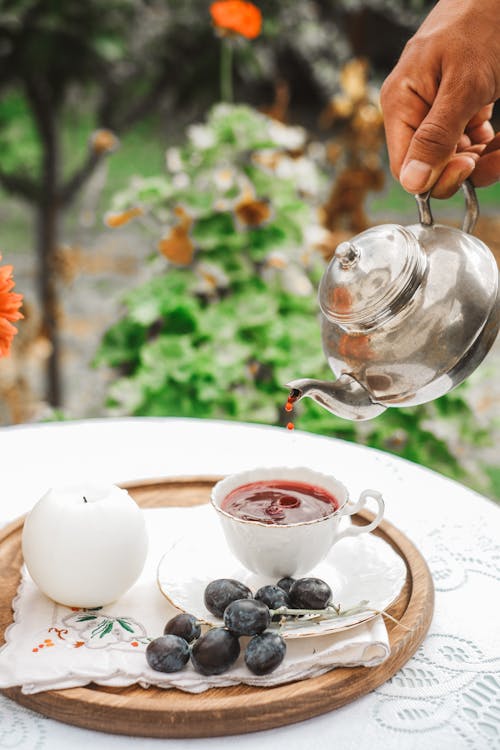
[(407, 314)]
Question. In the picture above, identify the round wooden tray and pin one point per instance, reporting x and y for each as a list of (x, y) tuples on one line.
[(229, 710)]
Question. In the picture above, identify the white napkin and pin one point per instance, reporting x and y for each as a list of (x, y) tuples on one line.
[(49, 646)]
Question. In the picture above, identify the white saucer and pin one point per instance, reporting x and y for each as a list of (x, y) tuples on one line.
[(357, 569)]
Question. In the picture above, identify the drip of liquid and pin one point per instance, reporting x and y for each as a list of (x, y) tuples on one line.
[(292, 398)]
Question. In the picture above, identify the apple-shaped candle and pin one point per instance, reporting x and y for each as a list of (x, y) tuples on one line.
[(85, 546)]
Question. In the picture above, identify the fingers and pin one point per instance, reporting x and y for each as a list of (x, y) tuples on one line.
[(477, 148), (493, 145), (458, 169), (435, 140), (487, 170), (424, 141), (471, 145), (403, 111), (479, 128), (463, 143), (483, 133)]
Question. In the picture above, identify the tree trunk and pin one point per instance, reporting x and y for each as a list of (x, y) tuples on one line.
[(48, 206), (46, 240)]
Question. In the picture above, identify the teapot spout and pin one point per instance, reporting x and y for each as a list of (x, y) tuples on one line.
[(344, 397)]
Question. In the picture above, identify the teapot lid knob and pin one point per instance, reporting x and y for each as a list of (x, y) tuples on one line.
[(347, 254)]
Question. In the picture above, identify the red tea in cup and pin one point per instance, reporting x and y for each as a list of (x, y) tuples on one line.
[(280, 502), (283, 520)]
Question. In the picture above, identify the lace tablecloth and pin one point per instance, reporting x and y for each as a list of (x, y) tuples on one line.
[(446, 698)]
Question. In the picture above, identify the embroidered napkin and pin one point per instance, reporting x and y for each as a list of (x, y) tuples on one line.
[(49, 646)]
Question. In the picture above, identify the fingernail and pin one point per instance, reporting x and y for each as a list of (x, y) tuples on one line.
[(415, 176)]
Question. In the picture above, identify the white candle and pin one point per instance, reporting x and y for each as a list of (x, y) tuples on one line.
[(85, 546)]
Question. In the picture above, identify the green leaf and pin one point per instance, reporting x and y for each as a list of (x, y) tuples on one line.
[(215, 230), (121, 344), (107, 629), (124, 624), (100, 627)]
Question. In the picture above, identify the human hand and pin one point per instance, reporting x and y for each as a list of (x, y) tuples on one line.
[(438, 100)]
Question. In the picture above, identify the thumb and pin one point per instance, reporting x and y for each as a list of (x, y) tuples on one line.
[(435, 140)]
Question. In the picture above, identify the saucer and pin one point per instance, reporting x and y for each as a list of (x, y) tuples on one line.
[(357, 569)]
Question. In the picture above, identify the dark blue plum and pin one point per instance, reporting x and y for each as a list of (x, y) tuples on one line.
[(168, 653), (274, 597), (185, 626), (265, 652), (247, 617), (286, 583), (223, 591), (310, 593), (215, 651)]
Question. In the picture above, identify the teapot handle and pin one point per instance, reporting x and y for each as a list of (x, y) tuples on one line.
[(471, 206)]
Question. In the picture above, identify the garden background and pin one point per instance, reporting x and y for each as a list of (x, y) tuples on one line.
[(171, 191)]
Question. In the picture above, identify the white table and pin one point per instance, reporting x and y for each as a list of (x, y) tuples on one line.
[(446, 698)]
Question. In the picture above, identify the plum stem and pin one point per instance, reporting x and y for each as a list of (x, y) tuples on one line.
[(331, 612)]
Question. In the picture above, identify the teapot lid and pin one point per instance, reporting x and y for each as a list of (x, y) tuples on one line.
[(371, 277)]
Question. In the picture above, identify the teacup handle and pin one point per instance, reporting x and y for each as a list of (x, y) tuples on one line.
[(355, 530)]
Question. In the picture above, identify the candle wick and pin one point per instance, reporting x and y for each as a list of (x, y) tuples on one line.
[(84, 499)]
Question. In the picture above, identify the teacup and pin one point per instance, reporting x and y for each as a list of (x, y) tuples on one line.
[(290, 549)]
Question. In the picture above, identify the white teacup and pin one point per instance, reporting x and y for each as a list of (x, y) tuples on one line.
[(278, 550)]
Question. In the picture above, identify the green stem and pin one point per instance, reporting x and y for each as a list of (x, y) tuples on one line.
[(226, 71), (332, 612)]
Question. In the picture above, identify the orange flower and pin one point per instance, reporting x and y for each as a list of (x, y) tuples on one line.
[(9, 309), (120, 218), (104, 141), (252, 212), (237, 17), (177, 246)]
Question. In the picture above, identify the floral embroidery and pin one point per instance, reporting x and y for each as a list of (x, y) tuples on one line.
[(48, 642), (99, 630), (61, 632), (94, 629)]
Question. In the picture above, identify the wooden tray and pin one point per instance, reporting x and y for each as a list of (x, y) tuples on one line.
[(229, 710)]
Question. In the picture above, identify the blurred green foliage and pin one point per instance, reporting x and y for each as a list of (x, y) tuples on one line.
[(493, 473), (19, 141), (396, 202), (220, 336)]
